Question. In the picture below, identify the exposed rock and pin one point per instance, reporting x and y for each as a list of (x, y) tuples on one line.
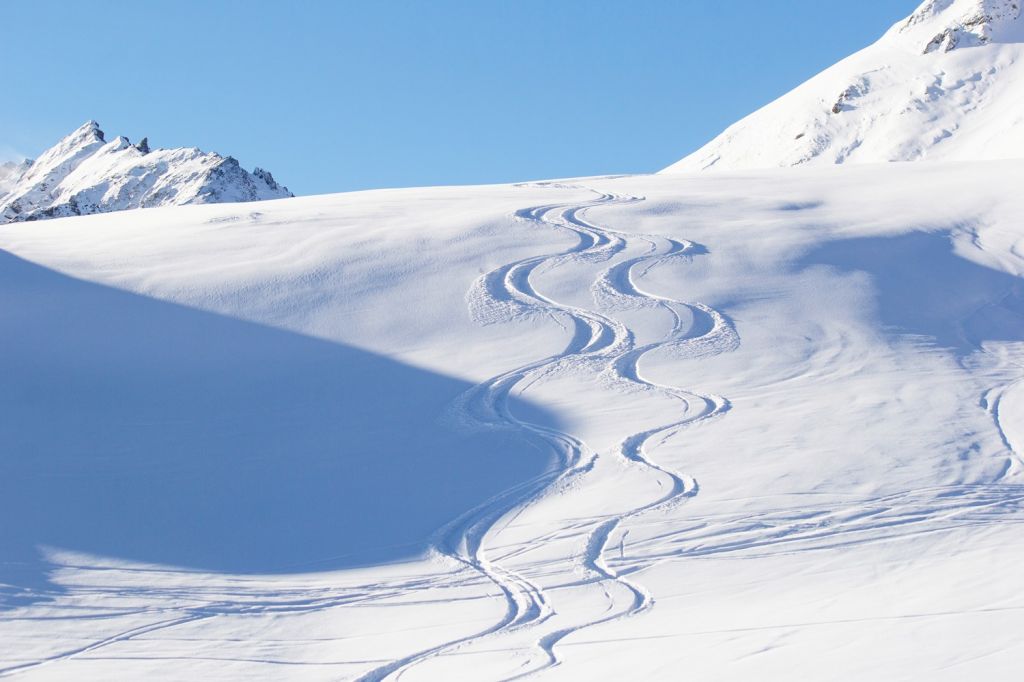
[(958, 101), (84, 174)]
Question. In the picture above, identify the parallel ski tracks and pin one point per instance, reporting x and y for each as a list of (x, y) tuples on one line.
[(599, 343)]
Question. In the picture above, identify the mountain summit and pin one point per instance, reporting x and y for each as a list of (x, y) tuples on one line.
[(944, 25), (945, 83), (83, 174)]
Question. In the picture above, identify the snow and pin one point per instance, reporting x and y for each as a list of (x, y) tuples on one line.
[(10, 173), (759, 424), (764, 423), (84, 174), (944, 84)]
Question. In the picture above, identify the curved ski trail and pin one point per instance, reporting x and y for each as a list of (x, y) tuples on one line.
[(601, 345)]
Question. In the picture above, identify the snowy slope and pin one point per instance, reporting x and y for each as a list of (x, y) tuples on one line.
[(946, 83), (760, 426), (10, 173), (84, 174)]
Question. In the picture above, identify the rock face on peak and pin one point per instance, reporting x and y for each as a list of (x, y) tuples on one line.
[(10, 174), (83, 174), (945, 25), (946, 83)]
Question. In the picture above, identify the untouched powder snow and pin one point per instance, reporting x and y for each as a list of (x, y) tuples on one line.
[(84, 174), (946, 83), (744, 426)]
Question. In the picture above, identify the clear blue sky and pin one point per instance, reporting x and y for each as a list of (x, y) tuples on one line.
[(335, 96)]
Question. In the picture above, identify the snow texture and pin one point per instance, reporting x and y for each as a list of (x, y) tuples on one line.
[(946, 83), (84, 174), (759, 425)]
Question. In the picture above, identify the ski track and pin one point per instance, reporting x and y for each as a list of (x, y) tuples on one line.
[(113, 639), (600, 344), (880, 519)]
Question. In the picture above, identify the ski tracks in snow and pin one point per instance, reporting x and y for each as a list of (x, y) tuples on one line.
[(600, 345)]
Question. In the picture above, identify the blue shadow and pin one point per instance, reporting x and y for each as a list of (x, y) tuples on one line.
[(149, 431), (923, 287)]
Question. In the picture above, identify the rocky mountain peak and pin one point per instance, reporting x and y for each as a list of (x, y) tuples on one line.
[(83, 173), (945, 25)]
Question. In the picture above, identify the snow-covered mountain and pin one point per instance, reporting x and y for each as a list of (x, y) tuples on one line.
[(10, 173), (84, 174), (945, 83), (755, 426)]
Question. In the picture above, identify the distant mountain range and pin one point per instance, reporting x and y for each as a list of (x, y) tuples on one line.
[(84, 174)]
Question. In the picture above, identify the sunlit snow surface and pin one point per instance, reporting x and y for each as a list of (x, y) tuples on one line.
[(85, 174), (748, 426), (944, 84)]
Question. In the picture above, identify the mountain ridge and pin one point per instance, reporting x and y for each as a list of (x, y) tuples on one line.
[(84, 174), (944, 83)]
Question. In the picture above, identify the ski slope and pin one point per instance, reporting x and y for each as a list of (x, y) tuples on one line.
[(733, 426)]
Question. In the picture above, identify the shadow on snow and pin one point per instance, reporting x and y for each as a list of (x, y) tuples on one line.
[(923, 287), (153, 432)]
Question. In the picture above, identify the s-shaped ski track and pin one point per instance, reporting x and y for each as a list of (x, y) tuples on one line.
[(599, 344)]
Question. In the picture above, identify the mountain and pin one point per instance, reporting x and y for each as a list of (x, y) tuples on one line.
[(755, 426), (84, 174), (10, 173), (945, 83)]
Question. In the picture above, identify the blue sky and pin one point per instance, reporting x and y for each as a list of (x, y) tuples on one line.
[(336, 96)]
